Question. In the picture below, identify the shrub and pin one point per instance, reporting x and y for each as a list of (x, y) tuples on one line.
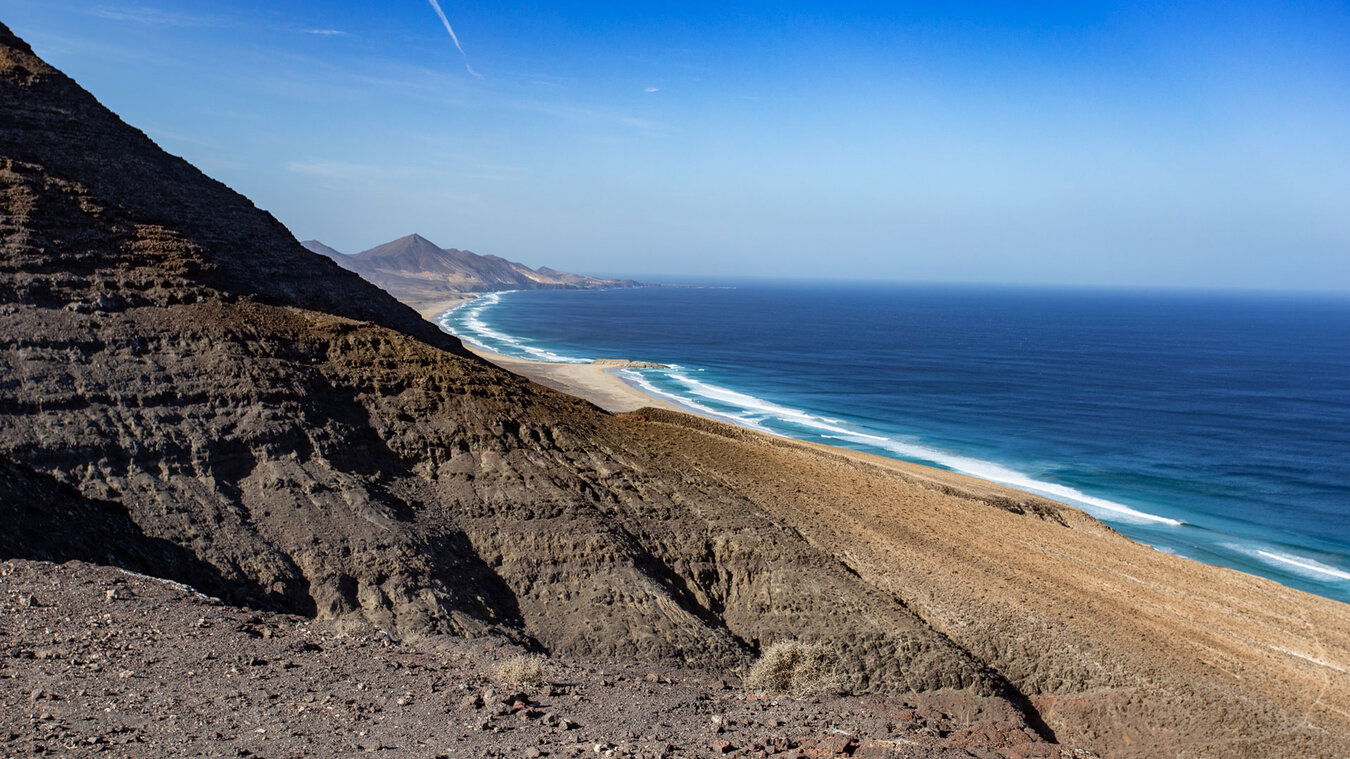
[(527, 669), (795, 669)]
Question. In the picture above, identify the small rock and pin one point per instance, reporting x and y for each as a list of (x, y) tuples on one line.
[(723, 747), (119, 593), (838, 744), (471, 702), (533, 753)]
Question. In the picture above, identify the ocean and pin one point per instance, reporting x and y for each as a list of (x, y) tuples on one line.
[(1214, 426)]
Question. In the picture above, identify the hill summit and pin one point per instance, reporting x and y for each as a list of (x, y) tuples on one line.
[(413, 268)]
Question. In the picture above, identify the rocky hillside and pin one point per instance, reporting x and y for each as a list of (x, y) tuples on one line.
[(258, 684), (413, 268), (187, 391)]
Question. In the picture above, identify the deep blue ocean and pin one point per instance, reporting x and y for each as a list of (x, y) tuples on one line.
[(1214, 426)]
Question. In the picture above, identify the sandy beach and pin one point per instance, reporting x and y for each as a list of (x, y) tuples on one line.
[(593, 382), (430, 309), (596, 383)]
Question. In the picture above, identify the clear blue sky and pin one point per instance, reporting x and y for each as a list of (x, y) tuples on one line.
[(1164, 143)]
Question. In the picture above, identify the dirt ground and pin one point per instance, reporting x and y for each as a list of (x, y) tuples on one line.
[(96, 661)]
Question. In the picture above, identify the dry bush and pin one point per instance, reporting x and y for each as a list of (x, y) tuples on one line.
[(352, 627), (526, 669), (795, 669)]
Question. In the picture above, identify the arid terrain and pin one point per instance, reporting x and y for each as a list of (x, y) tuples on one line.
[(101, 662), (188, 393)]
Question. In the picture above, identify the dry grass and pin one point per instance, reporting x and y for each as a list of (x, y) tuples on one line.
[(795, 669), (526, 669)]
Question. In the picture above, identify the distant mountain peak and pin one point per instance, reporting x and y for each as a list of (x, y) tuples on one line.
[(413, 269)]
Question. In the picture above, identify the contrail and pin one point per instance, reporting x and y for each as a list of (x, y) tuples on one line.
[(446, 21)]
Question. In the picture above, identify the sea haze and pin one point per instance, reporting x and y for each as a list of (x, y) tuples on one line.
[(1215, 426)]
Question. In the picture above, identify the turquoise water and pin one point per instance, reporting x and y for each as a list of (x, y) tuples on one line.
[(1214, 426)]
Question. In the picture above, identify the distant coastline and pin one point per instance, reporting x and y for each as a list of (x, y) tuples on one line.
[(594, 382), (728, 394)]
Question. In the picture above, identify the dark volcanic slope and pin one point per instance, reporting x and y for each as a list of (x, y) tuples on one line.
[(414, 268), (187, 391), (328, 453)]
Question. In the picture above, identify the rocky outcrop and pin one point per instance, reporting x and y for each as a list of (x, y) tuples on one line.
[(188, 392)]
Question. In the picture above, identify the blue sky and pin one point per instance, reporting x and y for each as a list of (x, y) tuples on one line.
[(1161, 144)]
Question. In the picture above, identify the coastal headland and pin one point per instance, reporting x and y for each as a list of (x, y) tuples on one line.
[(331, 484)]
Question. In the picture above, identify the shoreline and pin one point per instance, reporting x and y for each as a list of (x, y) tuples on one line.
[(432, 309), (591, 382), (595, 383), (599, 384)]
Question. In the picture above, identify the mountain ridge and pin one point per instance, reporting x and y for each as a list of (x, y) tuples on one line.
[(414, 269)]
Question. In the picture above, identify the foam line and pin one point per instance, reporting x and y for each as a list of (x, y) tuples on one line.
[(750, 411), (645, 385), (474, 330), (750, 406), (1308, 566), (753, 405)]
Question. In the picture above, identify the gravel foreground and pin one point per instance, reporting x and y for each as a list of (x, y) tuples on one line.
[(97, 661)]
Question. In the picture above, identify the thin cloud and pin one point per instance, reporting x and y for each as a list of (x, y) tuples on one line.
[(343, 170), (152, 16), (446, 21), (437, 7), (326, 32), (653, 89)]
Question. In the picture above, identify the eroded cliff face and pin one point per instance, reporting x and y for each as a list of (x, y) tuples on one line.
[(315, 448), (186, 391)]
